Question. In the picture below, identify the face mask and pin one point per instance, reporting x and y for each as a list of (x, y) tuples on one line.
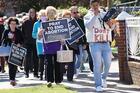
[(43, 19)]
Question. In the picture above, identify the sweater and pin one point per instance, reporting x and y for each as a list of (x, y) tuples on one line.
[(95, 30)]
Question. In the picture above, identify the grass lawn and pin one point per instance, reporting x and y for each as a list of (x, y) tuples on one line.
[(114, 50), (39, 89)]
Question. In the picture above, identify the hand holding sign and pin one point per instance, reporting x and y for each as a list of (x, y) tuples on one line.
[(55, 30), (40, 34), (17, 55)]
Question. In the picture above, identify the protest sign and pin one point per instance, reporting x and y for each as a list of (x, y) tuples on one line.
[(56, 30), (75, 31), (17, 55)]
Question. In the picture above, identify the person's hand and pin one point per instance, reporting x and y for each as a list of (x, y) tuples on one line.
[(96, 13), (62, 42), (84, 46), (40, 34), (77, 41), (111, 23), (18, 45)]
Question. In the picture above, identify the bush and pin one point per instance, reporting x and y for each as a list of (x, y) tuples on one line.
[(136, 13), (83, 10)]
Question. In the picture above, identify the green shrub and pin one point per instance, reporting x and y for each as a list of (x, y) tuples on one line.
[(136, 13), (83, 10)]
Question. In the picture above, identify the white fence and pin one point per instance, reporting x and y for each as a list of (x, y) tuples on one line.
[(133, 37)]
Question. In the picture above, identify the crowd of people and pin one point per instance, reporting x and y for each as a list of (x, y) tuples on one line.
[(41, 58)]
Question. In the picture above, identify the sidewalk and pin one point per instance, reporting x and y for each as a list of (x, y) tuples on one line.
[(84, 83)]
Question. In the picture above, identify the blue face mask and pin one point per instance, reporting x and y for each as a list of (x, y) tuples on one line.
[(43, 19)]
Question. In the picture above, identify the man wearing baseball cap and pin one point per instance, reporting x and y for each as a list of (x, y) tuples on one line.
[(98, 36)]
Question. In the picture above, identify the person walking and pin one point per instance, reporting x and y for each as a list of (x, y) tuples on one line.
[(31, 60), (2, 60), (98, 36), (51, 48), (81, 43), (12, 35), (39, 41)]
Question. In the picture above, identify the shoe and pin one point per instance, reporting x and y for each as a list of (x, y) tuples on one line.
[(13, 83), (104, 84), (49, 84), (99, 89), (27, 76), (36, 76), (78, 71), (75, 76), (3, 71), (0, 68), (41, 77)]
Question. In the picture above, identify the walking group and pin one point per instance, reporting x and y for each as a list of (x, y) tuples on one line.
[(41, 57)]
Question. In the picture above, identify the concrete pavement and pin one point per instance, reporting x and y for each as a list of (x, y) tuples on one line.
[(83, 84)]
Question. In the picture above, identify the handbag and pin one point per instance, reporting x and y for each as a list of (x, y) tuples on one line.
[(4, 51), (64, 56)]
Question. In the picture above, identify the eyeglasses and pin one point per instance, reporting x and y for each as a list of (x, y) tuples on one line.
[(75, 12)]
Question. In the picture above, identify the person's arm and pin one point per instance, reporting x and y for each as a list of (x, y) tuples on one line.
[(89, 21), (4, 38), (35, 31)]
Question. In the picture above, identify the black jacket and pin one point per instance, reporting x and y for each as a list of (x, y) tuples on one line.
[(27, 28), (1, 31), (18, 38)]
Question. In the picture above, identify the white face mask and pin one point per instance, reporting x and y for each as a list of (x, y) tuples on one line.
[(43, 19)]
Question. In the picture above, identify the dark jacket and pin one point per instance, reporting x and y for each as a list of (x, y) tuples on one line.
[(18, 38), (27, 28), (1, 31)]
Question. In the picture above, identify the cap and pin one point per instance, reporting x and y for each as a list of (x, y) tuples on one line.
[(93, 1)]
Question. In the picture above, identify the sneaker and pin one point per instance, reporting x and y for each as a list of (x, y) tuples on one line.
[(104, 84), (75, 76), (41, 77), (49, 84), (99, 89), (77, 73), (13, 83), (27, 76)]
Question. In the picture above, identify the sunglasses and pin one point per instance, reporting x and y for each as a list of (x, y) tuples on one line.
[(75, 12)]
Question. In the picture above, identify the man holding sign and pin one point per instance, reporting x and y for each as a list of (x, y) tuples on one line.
[(98, 36)]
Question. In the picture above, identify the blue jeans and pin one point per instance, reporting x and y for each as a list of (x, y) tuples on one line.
[(100, 52), (79, 57)]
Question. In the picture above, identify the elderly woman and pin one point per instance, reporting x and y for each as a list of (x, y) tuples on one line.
[(12, 35), (39, 41), (68, 67), (53, 67)]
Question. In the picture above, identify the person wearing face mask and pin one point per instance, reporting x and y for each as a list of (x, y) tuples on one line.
[(31, 60), (12, 35), (51, 48), (39, 41), (98, 34)]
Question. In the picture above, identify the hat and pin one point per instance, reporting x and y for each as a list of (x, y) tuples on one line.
[(93, 1)]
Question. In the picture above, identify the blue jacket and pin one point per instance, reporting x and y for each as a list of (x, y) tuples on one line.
[(39, 42)]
